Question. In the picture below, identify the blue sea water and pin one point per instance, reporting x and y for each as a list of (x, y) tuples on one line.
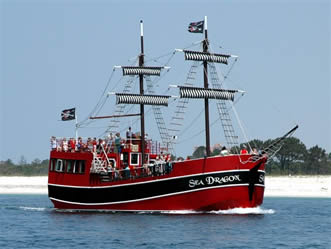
[(29, 221)]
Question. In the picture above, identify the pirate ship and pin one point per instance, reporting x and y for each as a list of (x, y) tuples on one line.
[(138, 174)]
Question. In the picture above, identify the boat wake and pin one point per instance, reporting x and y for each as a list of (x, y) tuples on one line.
[(235, 211), (257, 210), (40, 209)]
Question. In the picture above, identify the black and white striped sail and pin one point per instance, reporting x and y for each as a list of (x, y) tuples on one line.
[(200, 93), (124, 98), (204, 56), (136, 70)]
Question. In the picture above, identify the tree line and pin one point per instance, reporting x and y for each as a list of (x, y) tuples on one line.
[(294, 158), (22, 168)]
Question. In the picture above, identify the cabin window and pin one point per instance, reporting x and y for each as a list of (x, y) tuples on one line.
[(81, 167), (125, 157), (52, 164), (74, 166), (135, 158), (70, 166), (112, 162), (59, 165)]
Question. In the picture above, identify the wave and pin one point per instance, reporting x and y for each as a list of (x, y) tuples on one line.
[(256, 210), (40, 209), (234, 211)]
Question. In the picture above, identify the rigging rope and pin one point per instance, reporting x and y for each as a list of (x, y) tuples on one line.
[(99, 103), (225, 77)]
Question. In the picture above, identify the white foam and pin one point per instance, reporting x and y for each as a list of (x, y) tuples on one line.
[(182, 212), (234, 211), (33, 208), (256, 210)]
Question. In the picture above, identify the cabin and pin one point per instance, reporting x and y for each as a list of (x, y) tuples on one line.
[(107, 160)]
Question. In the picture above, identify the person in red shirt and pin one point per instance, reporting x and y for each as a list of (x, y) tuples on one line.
[(244, 150), (72, 144)]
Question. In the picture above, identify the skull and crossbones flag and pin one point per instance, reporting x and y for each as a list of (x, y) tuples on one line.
[(68, 114), (196, 27)]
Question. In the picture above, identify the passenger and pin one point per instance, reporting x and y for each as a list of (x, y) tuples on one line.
[(110, 142), (167, 164), (99, 146), (113, 168), (58, 145), (158, 166), (148, 169), (109, 171), (224, 151), (105, 144), (244, 150), (65, 145), (94, 143), (69, 145), (162, 157), (118, 143), (254, 151), (129, 133), (127, 171), (117, 174), (133, 172), (89, 144), (53, 143), (72, 144), (78, 146)]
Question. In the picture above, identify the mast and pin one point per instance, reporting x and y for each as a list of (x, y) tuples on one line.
[(205, 82), (141, 89)]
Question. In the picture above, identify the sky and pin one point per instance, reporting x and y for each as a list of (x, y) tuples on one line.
[(60, 54)]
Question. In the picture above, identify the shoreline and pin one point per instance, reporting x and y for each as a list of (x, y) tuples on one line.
[(276, 186)]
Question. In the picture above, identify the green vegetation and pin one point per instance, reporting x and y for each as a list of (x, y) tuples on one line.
[(35, 168), (293, 158)]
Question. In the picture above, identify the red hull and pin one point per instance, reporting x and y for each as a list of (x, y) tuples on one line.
[(216, 183), (204, 200)]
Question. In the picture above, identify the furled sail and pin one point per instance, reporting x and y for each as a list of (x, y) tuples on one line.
[(198, 93), (123, 98), (136, 70), (205, 56)]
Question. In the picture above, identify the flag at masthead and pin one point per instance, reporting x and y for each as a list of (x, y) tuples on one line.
[(196, 27)]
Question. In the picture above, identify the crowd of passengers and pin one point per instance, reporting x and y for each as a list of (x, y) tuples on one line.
[(109, 144), (160, 166)]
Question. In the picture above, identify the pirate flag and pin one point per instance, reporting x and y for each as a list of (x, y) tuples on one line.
[(68, 114), (196, 27)]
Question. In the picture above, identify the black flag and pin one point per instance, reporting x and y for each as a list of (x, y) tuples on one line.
[(196, 27), (68, 114)]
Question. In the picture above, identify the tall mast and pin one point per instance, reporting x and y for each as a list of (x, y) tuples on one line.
[(205, 81), (141, 88)]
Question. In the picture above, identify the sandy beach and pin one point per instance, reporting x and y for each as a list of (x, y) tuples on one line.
[(282, 186)]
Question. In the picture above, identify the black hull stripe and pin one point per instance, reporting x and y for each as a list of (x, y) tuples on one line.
[(154, 197), (153, 189), (151, 181)]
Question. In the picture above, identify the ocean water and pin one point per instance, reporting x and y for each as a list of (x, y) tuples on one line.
[(29, 221)]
